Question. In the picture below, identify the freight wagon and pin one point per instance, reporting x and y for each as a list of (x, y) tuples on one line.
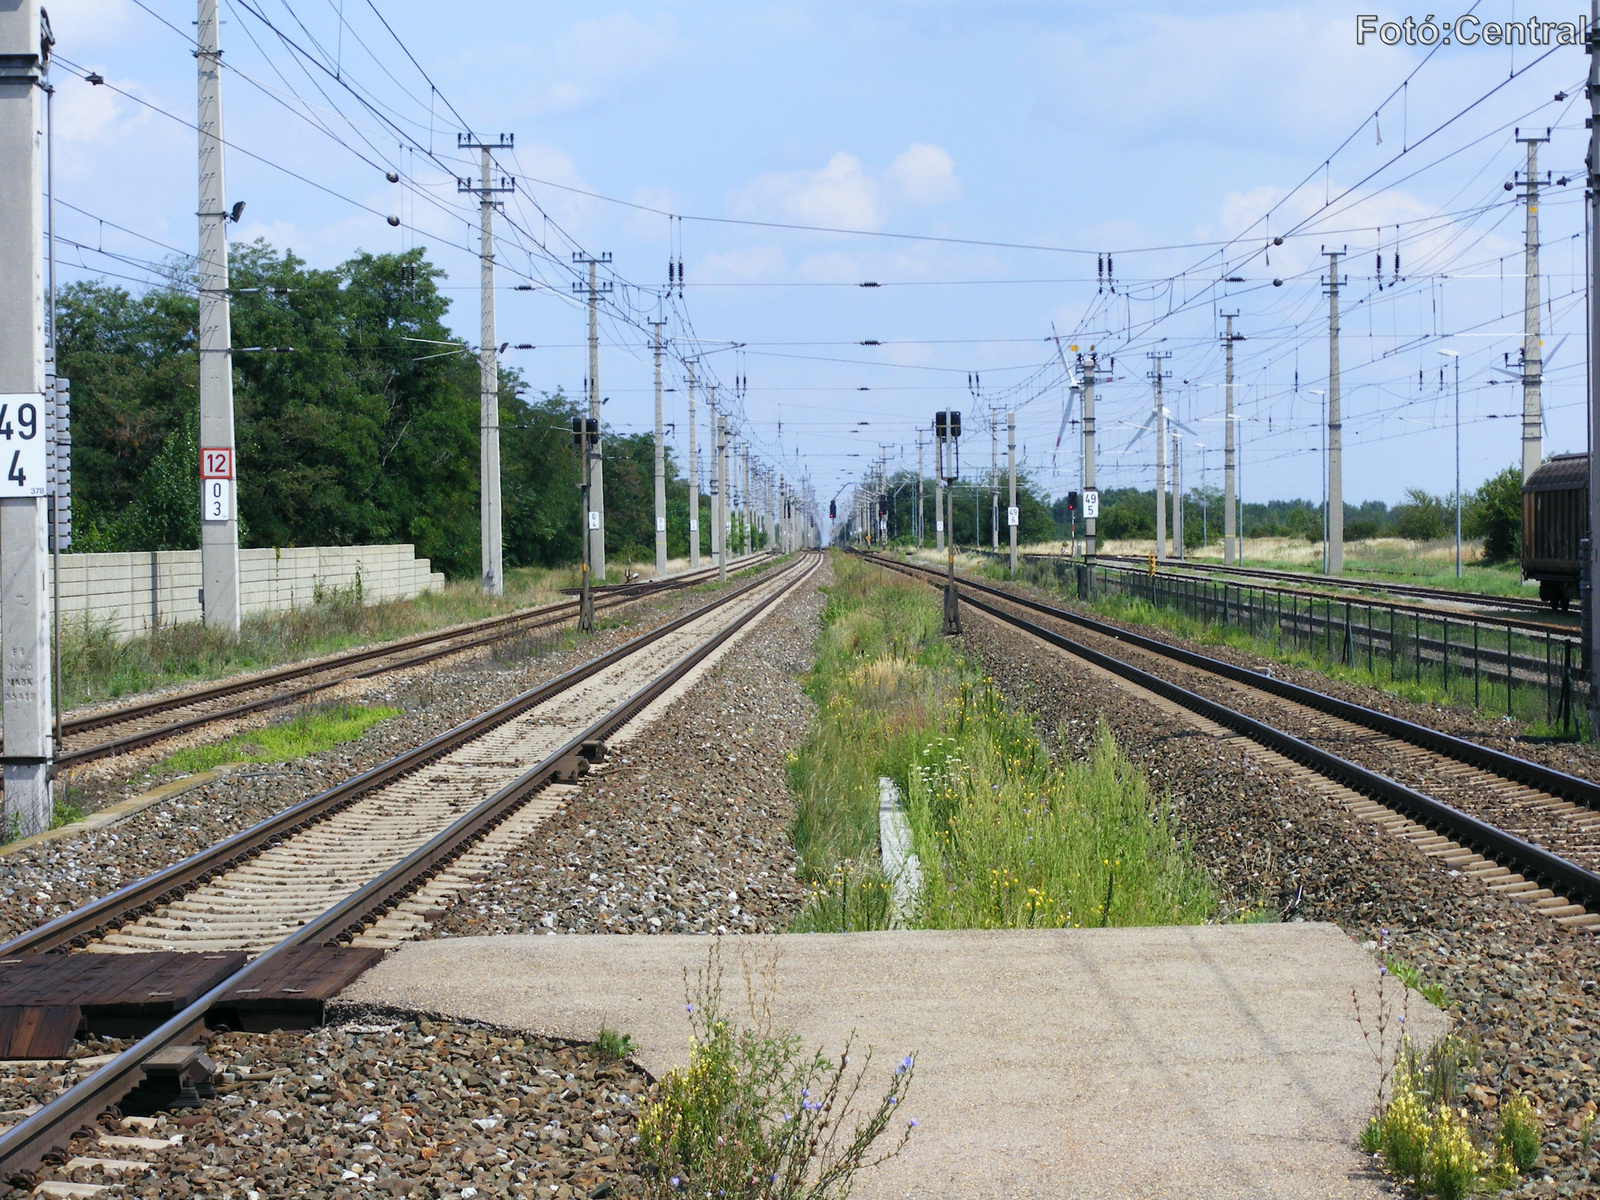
[(1555, 517)]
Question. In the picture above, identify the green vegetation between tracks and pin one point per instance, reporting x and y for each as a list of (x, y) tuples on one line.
[(310, 731), (1009, 835)]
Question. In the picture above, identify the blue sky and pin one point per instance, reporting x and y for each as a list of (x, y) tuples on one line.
[(1179, 138)]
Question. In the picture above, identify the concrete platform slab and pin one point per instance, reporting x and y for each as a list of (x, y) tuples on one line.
[(1169, 1062)]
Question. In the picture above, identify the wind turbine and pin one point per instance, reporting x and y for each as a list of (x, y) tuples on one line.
[(1520, 375), (1074, 391)]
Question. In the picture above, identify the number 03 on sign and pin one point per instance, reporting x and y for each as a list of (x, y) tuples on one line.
[(22, 446)]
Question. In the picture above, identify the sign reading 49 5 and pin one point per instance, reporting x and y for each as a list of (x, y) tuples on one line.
[(22, 445)]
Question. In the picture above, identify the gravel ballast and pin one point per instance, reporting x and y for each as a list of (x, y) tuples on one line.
[(390, 1105), (686, 829)]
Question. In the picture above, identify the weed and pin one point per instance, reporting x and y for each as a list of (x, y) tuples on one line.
[(854, 898), (1517, 1139), (755, 1114), (1260, 914), (311, 732), (1427, 1141), (612, 1045), (1411, 976), (65, 812)]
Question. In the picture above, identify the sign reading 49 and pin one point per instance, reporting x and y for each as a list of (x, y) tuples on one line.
[(22, 445)]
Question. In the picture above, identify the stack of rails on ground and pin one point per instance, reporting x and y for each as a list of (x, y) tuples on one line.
[(717, 789)]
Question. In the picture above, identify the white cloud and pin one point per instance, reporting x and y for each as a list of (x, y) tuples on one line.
[(1359, 222), (1178, 76), (595, 57), (755, 264), (843, 194), (840, 194), (924, 174)]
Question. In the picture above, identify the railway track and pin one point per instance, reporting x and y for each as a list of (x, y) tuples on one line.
[(105, 732), (307, 898), (1344, 584), (1525, 830)]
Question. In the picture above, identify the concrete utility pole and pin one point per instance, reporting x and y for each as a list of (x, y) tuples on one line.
[(661, 468), (219, 510), (713, 468), (1230, 515), (1177, 497), (24, 507), (694, 482), (1335, 437), (719, 498), (1591, 601), (994, 482), (1013, 514), (1088, 364), (597, 490), (1532, 352), (489, 532), (1156, 358)]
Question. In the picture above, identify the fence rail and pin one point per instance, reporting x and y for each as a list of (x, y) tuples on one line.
[(1494, 665)]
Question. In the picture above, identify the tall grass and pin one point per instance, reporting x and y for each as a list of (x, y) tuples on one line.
[(1010, 839), (98, 664), (1008, 836)]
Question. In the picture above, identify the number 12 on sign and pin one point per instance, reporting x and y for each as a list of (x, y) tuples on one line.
[(216, 499)]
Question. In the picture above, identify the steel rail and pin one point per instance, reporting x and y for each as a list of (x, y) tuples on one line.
[(1573, 881), (1546, 779), (503, 627), (24, 1145), (162, 886), (117, 716)]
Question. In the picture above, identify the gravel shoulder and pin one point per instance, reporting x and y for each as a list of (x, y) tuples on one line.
[(1521, 987)]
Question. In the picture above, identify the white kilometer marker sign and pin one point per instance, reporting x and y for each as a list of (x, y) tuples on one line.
[(22, 446)]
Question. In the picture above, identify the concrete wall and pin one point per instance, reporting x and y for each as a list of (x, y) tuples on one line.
[(136, 591)]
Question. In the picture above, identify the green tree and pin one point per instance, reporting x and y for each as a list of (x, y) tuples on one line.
[(1494, 514), (1422, 518)]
